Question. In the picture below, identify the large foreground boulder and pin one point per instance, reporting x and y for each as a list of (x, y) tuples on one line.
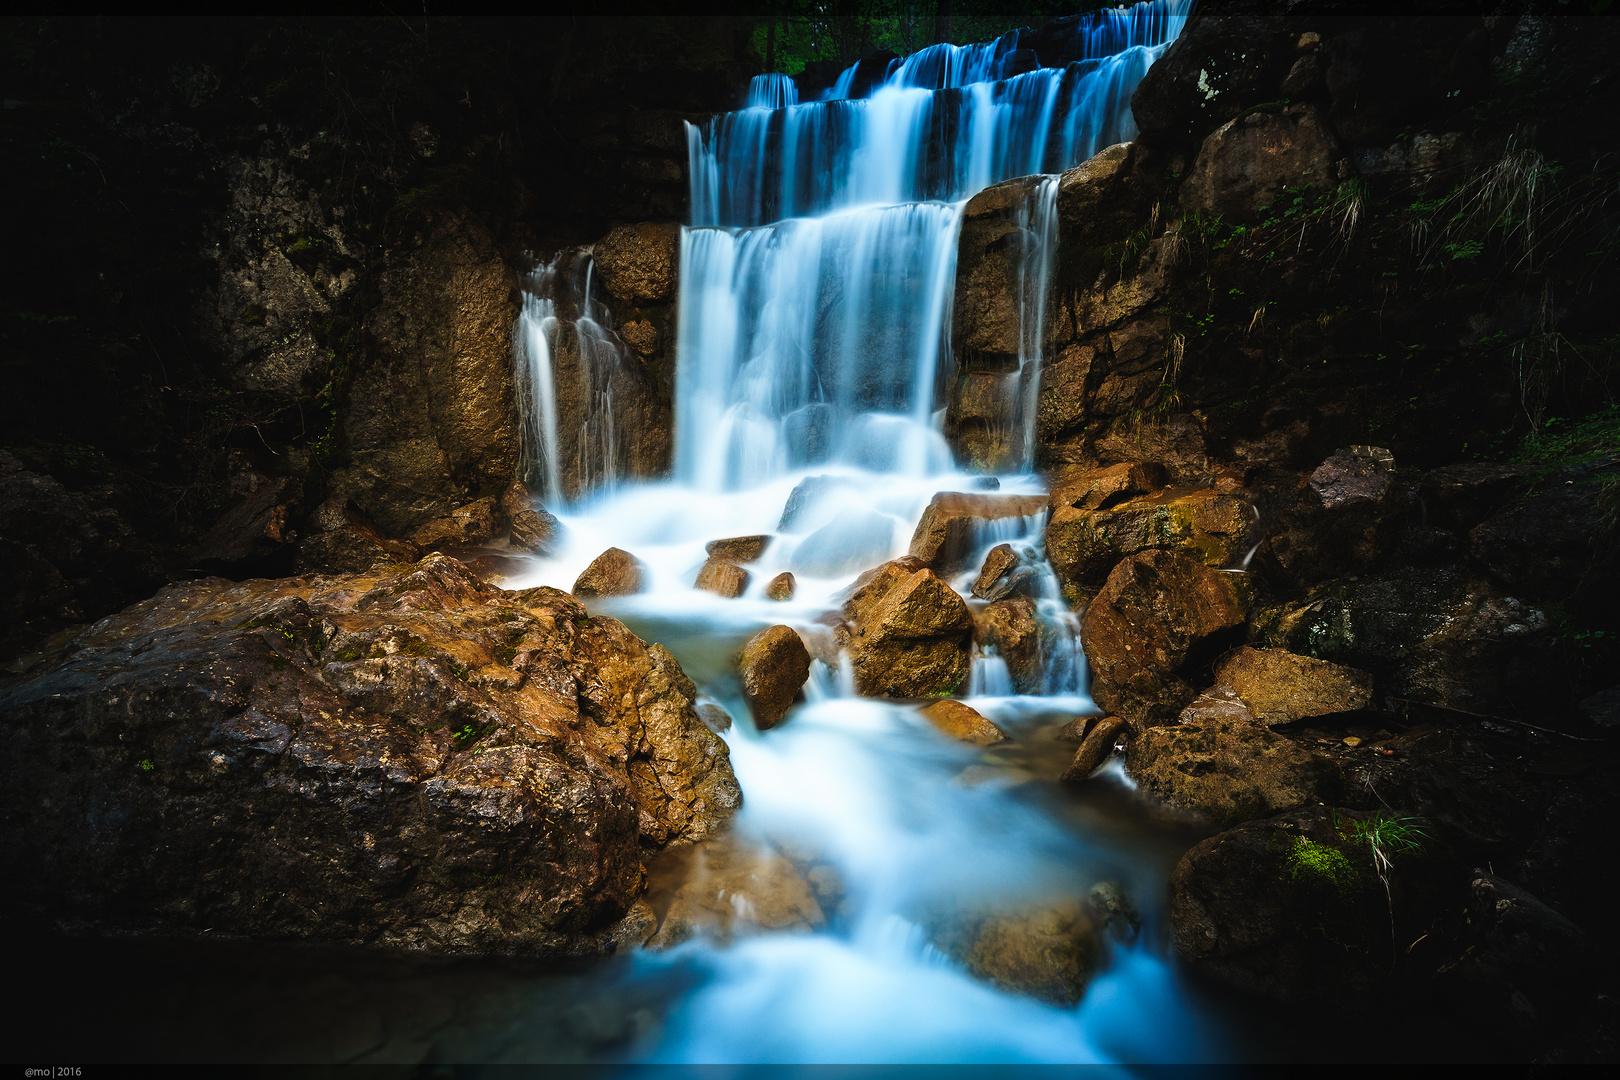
[(410, 758), (1158, 620), (907, 632)]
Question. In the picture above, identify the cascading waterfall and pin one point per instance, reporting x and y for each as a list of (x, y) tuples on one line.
[(565, 350), (813, 315)]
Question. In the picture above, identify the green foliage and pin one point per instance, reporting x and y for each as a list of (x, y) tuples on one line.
[(1321, 870), (145, 765)]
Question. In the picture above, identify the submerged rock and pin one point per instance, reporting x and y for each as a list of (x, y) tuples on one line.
[(953, 523), (731, 890), (907, 632), (1095, 749), (615, 572), (1158, 619), (774, 665), (1280, 687), (741, 549), (804, 497), (853, 539), (410, 758), (782, 586), (1047, 951), (722, 577), (962, 722), (1222, 763)]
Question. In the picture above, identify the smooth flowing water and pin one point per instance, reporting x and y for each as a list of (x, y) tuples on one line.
[(814, 309)]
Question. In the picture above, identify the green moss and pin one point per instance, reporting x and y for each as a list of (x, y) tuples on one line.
[(1321, 870)]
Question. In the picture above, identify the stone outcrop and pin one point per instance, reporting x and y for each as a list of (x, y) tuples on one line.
[(1012, 628), (410, 758), (342, 540), (774, 665), (1280, 687), (532, 528), (615, 572), (951, 526), (639, 263), (962, 722), (1157, 621), (1221, 763), (1246, 164), (907, 632), (1084, 545), (478, 522)]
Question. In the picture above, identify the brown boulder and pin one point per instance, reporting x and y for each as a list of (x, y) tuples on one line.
[(1361, 474), (1001, 560), (1011, 628), (774, 665), (731, 890), (907, 632), (741, 549), (615, 572), (962, 722), (953, 524), (411, 759), (343, 540), (1222, 763), (475, 523), (1084, 545), (1094, 749), (722, 578), (638, 263), (782, 586), (1094, 489), (1246, 163), (1045, 951), (260, 525), (1158, 619), (533, 529), (1280, 687)]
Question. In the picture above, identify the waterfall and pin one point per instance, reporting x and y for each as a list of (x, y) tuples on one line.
[(567, 360), (818, 271)]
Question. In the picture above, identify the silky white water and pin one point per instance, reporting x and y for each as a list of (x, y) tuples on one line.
[(815, 297)]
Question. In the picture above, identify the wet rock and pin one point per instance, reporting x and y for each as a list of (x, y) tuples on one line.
[(1107, 904), (1012, 629), (1280, 687), (805, 497), (1559, 544), (740, 549), (1178, 441), (1045, 951), (532, 529), (430, 418), (1286, 909), (1218, 68), (1095, 749), (997, 564), (950, 528), (1099, 489), (1361, 474), (781, 587), (962, 722), (1084, 545), (853, 539), (257, 528), (1461, 496), (1222, 763), (731, 890), (343, 540), (1075, 730), (723, 578), (638, 263), (615, 572), (1159, 618), (988, 270), (1526, 965), (1102, 199), (714, 717), (475, 523), (1247, 163), (774, 665), (411, 759), (907, 632)]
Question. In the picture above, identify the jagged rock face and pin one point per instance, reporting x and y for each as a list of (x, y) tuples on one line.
[(343, 540), (409, 758), (1222, 763), (430, 420), (908, 632), (948, 531), (1247, 163), (1157, 620)]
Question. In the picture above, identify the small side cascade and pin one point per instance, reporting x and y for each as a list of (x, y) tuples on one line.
[(772, 90), (567, 356), (1037, 223)]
